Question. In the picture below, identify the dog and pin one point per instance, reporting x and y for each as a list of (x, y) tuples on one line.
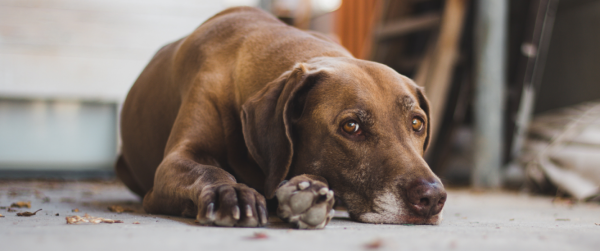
[(247, 108)]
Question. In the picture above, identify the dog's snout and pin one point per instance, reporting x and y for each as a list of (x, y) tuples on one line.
[(426, 198)]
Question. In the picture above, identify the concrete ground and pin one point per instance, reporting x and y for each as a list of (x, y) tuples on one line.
[(472, 221)]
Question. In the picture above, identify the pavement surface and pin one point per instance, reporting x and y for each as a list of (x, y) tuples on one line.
[(472, 221)]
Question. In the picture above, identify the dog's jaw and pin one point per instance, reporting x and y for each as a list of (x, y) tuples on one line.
[(389, 209)]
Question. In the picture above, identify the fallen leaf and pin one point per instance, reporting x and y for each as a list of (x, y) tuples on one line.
[(75, 219), (563, 219), (75, 210), (27, 214), (377, 243), (21, 204), (120, 209), (3, 216), (10, 209), (258, 236)]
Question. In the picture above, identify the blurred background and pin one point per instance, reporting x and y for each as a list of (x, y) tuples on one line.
[(513, 84)]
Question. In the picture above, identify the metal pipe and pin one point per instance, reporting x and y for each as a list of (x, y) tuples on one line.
[(490, 53)]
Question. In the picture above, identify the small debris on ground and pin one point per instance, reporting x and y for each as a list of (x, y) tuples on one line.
[(120, 209), (21, 204), (75, 219), (87, 193), (56, 214), (136, 222), (75, 210), (259, 236), (3, 216), (563, 219), (67, 200), (512, 219), (27, 214), (10, 209), (375, 244), (563, 201), (3, 207)]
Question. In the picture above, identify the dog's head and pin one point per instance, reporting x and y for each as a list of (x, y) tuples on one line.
[(360, 125)]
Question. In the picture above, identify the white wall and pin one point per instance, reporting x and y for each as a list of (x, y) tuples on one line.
[(87, 49), (57, 55)]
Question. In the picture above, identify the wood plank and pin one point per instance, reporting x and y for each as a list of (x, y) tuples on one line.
[(408, 25), (439, 63)]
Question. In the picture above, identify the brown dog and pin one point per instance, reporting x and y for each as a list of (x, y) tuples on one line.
[(220, 118)]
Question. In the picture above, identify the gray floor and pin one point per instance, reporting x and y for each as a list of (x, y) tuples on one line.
[(472, 221)]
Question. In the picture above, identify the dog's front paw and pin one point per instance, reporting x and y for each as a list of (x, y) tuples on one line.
[(231, 205), (305, 202)]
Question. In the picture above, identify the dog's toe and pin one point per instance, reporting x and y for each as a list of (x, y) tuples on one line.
[(232, 205)]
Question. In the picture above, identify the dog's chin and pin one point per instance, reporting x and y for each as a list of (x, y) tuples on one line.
[(391, 218)]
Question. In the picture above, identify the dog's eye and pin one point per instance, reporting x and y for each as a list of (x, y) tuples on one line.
[(417, 124), (350, 127)]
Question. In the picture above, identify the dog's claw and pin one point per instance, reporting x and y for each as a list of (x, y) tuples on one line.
[(248, 211), (323, 191), (263, 215), (236, 212), (210, 212), (303, 185)]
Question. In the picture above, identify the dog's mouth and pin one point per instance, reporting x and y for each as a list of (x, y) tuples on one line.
[(392, 218), (389, 209)]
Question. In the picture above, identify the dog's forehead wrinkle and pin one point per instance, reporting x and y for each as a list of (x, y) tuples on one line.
[(407, 103)]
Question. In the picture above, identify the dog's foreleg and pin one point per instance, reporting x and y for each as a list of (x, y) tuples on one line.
[(182, 186)]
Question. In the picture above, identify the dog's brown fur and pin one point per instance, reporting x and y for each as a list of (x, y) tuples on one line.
[(225, 114)]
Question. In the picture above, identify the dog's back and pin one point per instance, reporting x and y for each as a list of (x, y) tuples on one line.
[(233, 54)]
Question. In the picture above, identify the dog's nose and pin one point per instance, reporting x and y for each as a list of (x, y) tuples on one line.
[(426, 198)]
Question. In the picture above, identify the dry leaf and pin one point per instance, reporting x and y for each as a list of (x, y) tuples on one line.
[(120, 209), (75, 219), (28, 213), (21, 204), (76, 210), (259, 236), (10, 209), (3, 216), (374, 244)]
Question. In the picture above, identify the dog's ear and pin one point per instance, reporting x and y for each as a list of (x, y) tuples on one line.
[(424, 104), (267, 120)]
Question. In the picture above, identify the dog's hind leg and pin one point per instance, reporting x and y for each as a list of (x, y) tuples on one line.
[(124, 174)]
